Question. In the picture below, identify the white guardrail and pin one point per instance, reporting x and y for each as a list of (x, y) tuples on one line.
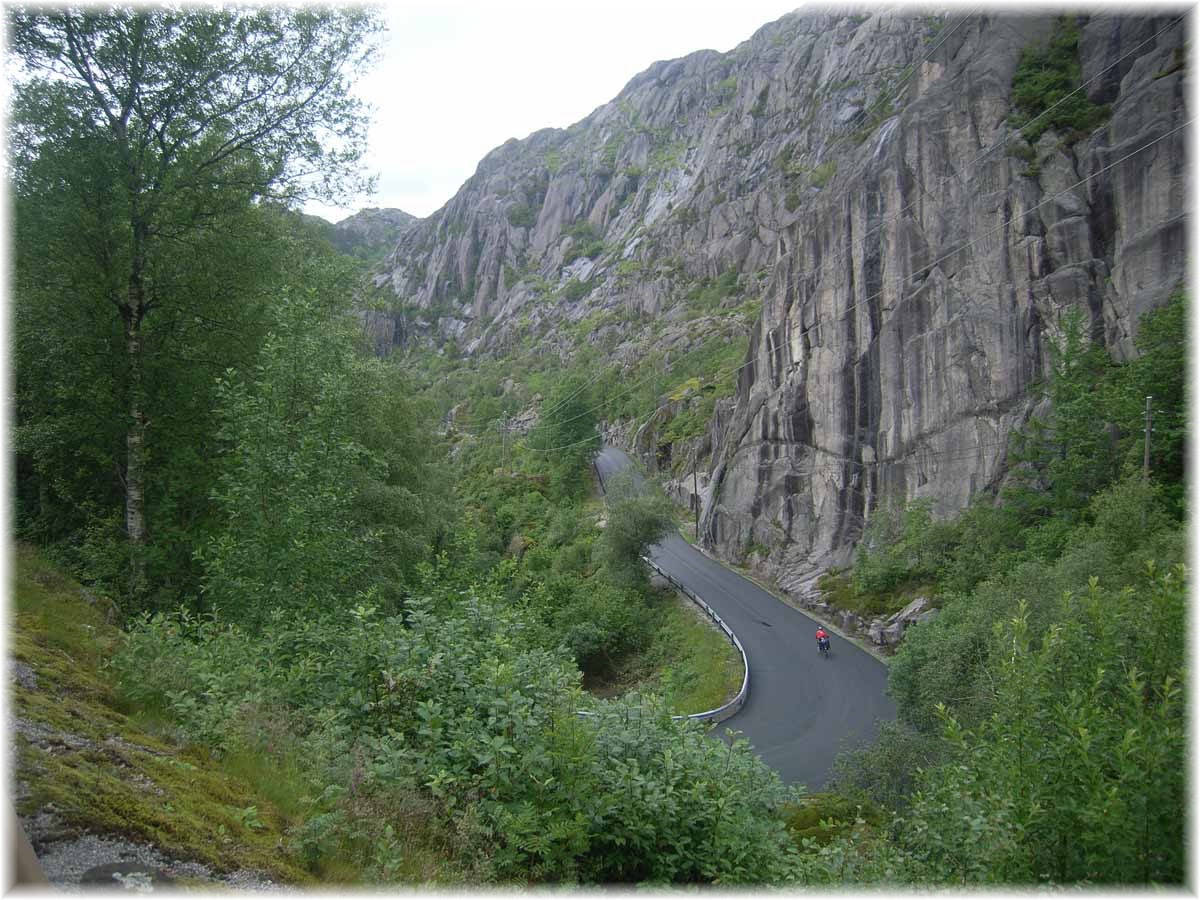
[(721, 713)]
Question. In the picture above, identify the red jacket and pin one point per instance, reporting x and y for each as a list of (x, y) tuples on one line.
[(821, 633)]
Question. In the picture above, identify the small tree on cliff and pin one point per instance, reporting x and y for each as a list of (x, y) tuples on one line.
[(638, 517), (142, 129)]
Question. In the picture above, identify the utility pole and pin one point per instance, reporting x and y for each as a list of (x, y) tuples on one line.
[(1146, 451), (504, 442), (1146, 456), (696, 497)]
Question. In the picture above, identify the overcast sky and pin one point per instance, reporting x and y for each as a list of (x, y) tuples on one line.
[(457, 78)]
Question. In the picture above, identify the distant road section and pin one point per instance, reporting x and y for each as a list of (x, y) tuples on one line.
[(802, 709)]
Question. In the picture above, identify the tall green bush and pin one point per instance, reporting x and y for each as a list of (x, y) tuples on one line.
[(1078, 773), (450, 702), (1046, 87)]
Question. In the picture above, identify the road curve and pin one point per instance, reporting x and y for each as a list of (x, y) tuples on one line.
[(802, 709)]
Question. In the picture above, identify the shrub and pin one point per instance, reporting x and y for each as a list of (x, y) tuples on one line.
[(902, 544), (1047, 77), (586, 241), (521, 215), (575, 289), (821, 174)]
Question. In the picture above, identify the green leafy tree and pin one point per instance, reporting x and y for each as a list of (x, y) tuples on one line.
[(1077, 775), (637, 518), (1075, 449), (69, 413), (566, 437), (1159, 372), (290, 468), (155, 126)]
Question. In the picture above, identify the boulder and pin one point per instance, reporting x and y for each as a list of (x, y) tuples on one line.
[(910, 612), (893, 634)]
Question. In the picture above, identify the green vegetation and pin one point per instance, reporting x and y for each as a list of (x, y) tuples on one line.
[(521, 215), (575, 290), (123, 265), (1059, 641), (106, 771), (819, 177), (305, 632), (586, 241), (1046, 88), (710, 294), (666, 155)]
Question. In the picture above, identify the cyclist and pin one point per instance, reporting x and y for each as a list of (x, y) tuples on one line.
[(822, 639)]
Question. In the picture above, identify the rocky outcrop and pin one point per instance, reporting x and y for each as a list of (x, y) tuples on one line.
[(898, 368), (855, 187), (371, 232)]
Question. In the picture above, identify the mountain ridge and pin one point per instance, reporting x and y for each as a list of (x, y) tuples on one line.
[(903, 255)]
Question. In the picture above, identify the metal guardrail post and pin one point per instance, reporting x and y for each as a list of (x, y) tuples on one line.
[(721, 712)]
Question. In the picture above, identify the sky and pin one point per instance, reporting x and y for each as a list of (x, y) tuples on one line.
[(457, 78)]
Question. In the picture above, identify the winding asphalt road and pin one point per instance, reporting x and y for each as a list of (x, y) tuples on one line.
[(802, 709)]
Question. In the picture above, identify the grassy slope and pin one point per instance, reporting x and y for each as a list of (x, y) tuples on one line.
[(81, 757)]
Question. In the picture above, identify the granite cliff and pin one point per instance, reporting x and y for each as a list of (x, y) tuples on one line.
[(869, 205)]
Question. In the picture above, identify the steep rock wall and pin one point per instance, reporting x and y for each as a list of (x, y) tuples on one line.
[(898, 368), (910, 258)]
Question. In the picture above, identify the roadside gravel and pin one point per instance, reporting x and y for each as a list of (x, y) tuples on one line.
[(82, 864)]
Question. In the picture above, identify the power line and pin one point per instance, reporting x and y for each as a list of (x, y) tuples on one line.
[(832, 319), (845, 311), (956, 173), (889, 96), (928, 268)]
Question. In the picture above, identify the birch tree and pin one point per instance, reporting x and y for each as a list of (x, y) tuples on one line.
[(151, 125)]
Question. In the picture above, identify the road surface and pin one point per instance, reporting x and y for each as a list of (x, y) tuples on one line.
[(802, 709)]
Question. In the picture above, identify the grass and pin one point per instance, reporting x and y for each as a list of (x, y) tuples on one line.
[(703, 669), (837, 589), (690, 663), (94, 764)]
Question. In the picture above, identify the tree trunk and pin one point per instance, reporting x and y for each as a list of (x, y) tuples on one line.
[(135, 444), (135, 435)]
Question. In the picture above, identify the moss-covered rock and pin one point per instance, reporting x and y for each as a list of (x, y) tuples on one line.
[(85, 766)]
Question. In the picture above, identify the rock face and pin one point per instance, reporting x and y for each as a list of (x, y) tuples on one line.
[(903, 254), (371, 232)]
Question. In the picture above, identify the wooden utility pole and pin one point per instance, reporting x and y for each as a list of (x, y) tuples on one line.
[(504, 442), (1146, 450), (696, 498)]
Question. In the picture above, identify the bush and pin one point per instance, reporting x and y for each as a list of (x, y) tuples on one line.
[(586, 241), (475, 727), (521, 215), (1043, 84), (575, 290), (821, 174), (820, 818), (902, 546), (1077, 773)]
